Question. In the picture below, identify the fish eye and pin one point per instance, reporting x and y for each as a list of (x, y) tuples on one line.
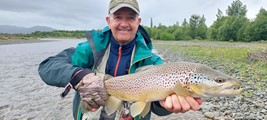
[(220, 80)]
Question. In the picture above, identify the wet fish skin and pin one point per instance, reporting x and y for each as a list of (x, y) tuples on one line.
[(154, 83)]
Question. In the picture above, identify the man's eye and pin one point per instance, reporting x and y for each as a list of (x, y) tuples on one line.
[(117, 17), (130, 18)]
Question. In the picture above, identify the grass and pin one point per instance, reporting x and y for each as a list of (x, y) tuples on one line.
[(229, 57)]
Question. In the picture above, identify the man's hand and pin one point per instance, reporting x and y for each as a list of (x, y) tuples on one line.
[(176, 104), (92, 91)]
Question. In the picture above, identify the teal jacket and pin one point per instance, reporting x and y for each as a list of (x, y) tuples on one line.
[(57, 70), (83, 56)]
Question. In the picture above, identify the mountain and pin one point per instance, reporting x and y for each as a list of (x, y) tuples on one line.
[(23, 30)]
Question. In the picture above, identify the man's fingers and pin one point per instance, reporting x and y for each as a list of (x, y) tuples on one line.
[(184, 104), (168, 103), (163, 103), (93, 110), (192, 102), (91, 102), (176, 104), (199, 100), (99, 101), (85, 106)]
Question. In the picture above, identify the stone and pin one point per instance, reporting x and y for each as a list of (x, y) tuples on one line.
[(260, 117), (206, 106), (209, 115), (261, 105), (264, 111), (219, 118)]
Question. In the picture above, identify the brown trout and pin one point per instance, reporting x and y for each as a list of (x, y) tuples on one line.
[(154, 83)]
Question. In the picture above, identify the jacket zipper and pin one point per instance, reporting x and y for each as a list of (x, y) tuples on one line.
[(118, 61)]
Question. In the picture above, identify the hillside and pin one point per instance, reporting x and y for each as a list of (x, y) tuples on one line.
[(23, 30)]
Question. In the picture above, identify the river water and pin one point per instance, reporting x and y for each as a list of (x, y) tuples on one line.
[(23, 95)]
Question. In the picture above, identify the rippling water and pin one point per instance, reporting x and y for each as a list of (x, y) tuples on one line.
[(23, 95)]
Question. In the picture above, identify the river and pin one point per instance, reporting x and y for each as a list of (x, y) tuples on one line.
[(23, 95)]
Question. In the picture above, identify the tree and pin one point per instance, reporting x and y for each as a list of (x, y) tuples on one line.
[(193, 24), (219, 15), (151, 22), (185, 32), (213, 31), (241, 34), (166, 36), (230, 27), (260, 25), (202, 28), (197, 27), (178, 34), (185, 23), (237, 8)]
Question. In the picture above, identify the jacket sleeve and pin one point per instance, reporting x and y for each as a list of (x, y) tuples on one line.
[(83, 55), (57, 70)]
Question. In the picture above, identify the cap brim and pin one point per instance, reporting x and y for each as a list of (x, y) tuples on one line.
[(121, 6)]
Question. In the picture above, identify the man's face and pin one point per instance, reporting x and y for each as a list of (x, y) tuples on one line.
[(123, 24)]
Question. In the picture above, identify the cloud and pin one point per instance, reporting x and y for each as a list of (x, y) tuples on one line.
[(88, 14)]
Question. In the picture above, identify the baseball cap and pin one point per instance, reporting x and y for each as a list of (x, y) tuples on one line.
[(115, 5)]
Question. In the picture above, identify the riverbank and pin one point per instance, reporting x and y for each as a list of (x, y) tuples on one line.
[(39, 40), (13, 41)]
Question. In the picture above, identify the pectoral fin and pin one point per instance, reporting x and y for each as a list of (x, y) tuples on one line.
[(146, 109), (137, 108), (181, 91), (196, 89), (112, 104)]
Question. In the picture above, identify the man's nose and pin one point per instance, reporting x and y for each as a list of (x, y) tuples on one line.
[(124, 23)]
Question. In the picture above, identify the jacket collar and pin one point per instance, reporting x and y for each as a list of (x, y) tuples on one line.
[(142, 50)]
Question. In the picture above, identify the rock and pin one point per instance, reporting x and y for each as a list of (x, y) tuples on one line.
[(228, 112), (239, 118), (246, 113), (261, 105), (237, 99), (219, 118), (260, 117), (264, 111), (237, 115), (209, 115), (206, 106), (251, 116)]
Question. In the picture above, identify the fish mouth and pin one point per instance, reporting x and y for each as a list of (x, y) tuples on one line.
[(227, 89)]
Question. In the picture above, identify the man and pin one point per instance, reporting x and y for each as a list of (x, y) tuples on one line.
[(119, 49)]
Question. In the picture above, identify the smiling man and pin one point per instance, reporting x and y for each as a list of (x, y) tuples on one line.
[(119, 49)]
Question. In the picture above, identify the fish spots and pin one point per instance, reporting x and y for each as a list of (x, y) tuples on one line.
[(161, 80)]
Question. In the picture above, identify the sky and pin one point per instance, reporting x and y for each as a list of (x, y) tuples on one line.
[(91, 14)]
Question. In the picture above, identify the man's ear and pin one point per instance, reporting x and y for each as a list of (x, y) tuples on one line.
[(108, 20), (139, 20)]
